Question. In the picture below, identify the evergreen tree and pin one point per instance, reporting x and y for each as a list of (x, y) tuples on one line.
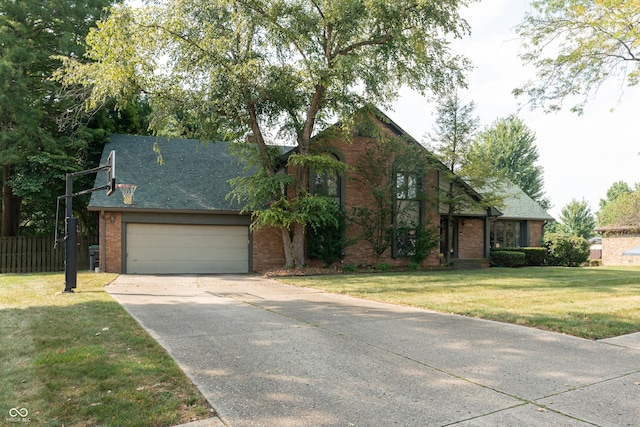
[(31, 104)]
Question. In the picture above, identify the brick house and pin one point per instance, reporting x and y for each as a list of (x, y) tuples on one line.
[(620, 245), (521, 222), (182, 222)]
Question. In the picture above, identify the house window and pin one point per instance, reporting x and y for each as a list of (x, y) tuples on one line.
[(327, 183), (507, 234), (407, 213)]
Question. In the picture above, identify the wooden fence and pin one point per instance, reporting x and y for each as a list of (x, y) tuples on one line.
[(29, 254)]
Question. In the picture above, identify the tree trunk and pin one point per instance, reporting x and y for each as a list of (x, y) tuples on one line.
[(298, 245), (10, 206), (288, 252), (449, 239), (298, 229)]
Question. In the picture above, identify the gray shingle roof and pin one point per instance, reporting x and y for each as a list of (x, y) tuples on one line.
[(518, 205), (193, 176)]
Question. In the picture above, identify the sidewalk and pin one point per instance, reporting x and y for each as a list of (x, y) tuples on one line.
[(264, 354)]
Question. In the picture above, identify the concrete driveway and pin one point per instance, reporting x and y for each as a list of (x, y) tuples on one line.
[(266, 354)]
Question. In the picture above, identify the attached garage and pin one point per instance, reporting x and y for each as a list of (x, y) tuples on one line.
[(180, 220), (186, 249)]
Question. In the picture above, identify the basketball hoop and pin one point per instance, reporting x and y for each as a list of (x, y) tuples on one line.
[(127, 192)]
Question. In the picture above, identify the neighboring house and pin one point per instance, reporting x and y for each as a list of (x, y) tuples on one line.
[(595, 247), (182, 222), (620, 245)]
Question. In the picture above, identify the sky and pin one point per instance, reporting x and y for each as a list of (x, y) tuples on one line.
[(582, 155)]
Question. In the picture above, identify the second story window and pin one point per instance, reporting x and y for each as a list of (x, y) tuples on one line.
[(327, 183), (407, 212)]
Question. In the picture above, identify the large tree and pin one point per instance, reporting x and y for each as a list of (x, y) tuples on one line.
[(578, 44), (617, 189), (31, 32), (623, 211), (454, 131), (508, 148), (258, 70), (577, 219)]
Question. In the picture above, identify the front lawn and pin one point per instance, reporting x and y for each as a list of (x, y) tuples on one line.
[(591, 303), (79, 360)]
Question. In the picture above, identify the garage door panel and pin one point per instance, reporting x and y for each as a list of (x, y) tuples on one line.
[(188, 267), (169, 248)]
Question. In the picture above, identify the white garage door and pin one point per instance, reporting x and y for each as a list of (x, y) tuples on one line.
[(187, 249)]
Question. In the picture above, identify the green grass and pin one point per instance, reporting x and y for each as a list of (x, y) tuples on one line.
[(80, 360), (591, 303)]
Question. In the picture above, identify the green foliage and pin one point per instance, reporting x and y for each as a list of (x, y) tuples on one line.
[(554, 227), (507, 258), (577, 219), (455, 128), (566, 251), (383, 266), (375, 227), (319, 162), (624, 210), (33, 108), (533, 256), (349, 268), (414, 266), (508, 149), (38, 181), (576, 46), (427, 238), (249, 70), (377, 172), (617, 188), (326, 239)]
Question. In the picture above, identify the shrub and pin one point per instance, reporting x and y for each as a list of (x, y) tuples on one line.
[(325, 239), (567, 251), (349, 268), (535, 256), (427, 239), (532, 256), (383, 266), (414, 266), (509, 258)]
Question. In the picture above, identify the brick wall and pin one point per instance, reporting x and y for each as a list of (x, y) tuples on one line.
[(267, 244), (613, 244), (113, 233), (268, 250), (470, 238), (536, 231), (358, 194)]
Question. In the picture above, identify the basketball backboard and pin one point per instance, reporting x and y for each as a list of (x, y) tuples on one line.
[(111, 173)]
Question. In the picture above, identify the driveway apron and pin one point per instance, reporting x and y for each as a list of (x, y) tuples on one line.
[(267, 354)]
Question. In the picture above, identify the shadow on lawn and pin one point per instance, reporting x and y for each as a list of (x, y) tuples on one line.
[(90, 363)]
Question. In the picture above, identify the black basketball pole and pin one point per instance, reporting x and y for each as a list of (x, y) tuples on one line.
[(71, 239), (71, 223)]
